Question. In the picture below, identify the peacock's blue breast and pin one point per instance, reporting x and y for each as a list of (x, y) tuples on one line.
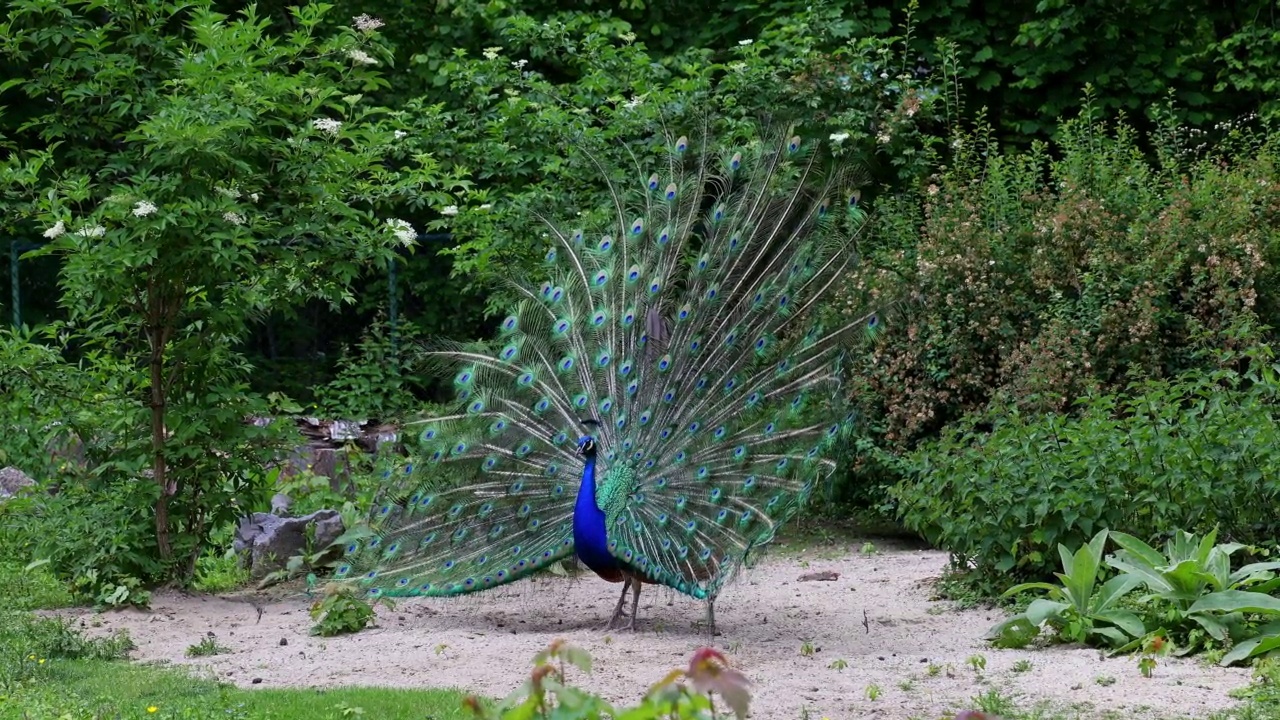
[(590, 540)]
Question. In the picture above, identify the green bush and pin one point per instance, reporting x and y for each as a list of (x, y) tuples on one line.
[(580, 81), (1197, 452), (1043, 275), (1071, 268)]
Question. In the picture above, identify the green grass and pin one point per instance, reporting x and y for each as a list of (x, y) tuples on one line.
[(34, 589), (122, 691)]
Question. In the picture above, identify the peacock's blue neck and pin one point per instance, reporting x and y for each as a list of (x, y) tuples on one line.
[(590, 541)]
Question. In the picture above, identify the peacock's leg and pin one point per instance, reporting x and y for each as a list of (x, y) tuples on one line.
[(617, 610), (635, 602), (711, 617)]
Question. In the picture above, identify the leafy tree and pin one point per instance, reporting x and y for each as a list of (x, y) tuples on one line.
[(193, 170)]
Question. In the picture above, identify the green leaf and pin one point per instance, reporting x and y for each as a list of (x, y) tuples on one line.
[(1217, 630), (1113, 636), (1127, 621), (1227, 601), (1246, 572), (1041, 610), (1250, 648), (1049, 587), (1113, 590)]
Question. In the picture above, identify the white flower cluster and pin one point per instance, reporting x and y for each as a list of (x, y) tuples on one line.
[(403, 231), (839, 137), (400, 134), (365, 23), (234, 218), (91, 231), (519, 64), (56, 231), (361, 57), (327, 125), (449, 210), (144, 208), (491, 53)]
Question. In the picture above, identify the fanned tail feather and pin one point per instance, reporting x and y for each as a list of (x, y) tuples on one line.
[(693, 330)]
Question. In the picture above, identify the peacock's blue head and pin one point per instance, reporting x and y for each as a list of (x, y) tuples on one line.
[(587, 447)]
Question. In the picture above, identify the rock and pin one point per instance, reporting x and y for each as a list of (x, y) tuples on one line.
[(823, 576), (270, 540), (12, 480), (280, 504)]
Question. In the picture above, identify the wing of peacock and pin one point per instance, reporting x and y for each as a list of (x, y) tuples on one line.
[(502, 475), (722, 429)]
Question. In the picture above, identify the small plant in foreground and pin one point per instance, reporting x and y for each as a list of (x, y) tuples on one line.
[(807, 648), (1022, 666), (873, 692), (684, 693), (838, 664), (340, 611), (207, 646), (994, 703), (977, 662), (1153, 647)]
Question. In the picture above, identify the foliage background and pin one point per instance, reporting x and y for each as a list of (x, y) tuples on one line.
[(1085, 195)]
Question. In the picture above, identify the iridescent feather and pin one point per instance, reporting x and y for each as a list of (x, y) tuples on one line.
[(689, 335)]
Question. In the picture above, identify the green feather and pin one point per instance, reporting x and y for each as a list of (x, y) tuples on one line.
[(689, 328)]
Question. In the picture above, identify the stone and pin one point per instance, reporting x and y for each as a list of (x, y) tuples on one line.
[(270, 540), (12, 480)]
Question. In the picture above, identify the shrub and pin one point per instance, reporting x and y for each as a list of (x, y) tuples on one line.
[(1199, 451), (1079, 266)]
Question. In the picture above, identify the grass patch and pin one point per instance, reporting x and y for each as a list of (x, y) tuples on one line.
[(34, 589), (104, 689), (217, 573)]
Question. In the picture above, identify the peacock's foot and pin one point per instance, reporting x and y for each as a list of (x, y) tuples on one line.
[(613, 621), (619, 610)]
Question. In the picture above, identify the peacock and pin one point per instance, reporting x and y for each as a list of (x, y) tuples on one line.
[(660, 399)]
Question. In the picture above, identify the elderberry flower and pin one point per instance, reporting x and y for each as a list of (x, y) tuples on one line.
[(365, 23), (91, 231), (327, 125), (361, 57), (58, 229), (449, 210), (403, 231), (144, 208)]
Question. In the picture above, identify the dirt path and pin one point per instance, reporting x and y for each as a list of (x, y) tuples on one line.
[(485, 644)]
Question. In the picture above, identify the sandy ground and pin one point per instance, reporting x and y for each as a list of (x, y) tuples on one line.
[(485, 644)]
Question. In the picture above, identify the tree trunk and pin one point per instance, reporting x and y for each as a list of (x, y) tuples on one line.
[(159, 468)]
